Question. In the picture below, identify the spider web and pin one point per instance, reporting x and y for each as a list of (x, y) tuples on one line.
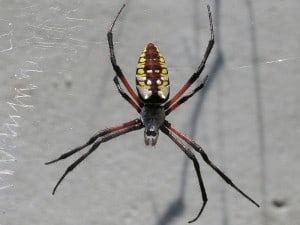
[(37, 40), (56, 80)]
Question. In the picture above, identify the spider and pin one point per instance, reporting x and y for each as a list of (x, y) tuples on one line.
[(151, 102)]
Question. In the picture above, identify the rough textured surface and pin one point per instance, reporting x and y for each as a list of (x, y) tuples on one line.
[(57, 90)]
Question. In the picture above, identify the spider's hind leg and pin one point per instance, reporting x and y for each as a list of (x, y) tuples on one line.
[(126, 96), (200, 68), (187, 97), (117, 68)]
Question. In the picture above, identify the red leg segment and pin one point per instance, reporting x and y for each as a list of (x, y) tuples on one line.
[(125, 96), (200, 150), (104, 136), (196, 75), (186, 97), (99, 134), (192, 157), (116, 67)]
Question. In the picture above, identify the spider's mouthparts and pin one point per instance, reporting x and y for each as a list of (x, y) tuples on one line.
[(150, 137), (151, 133)]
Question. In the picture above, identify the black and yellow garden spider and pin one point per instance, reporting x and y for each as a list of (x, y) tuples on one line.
[(152, 84)]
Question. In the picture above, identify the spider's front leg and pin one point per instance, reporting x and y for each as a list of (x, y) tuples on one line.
[(191, 156), (204, 156), (102, 136)]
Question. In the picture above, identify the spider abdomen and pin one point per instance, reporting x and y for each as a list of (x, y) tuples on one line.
[(152, 80)]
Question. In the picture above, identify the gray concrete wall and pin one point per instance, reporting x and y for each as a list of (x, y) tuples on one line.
[(57, 90)]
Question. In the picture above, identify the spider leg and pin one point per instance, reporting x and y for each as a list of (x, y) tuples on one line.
[(115, 66), (125, 96), (196, 75), (186, 97), (204, 156), (113, 134), (191, 156), (95, 137)]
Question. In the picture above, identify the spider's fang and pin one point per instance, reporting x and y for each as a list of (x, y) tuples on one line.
[(150, 137)]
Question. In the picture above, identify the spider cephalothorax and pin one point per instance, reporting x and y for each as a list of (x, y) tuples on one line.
[(151, 102), (153, 117)]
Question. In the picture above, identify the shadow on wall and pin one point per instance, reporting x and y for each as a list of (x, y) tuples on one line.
[(177, 207)]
